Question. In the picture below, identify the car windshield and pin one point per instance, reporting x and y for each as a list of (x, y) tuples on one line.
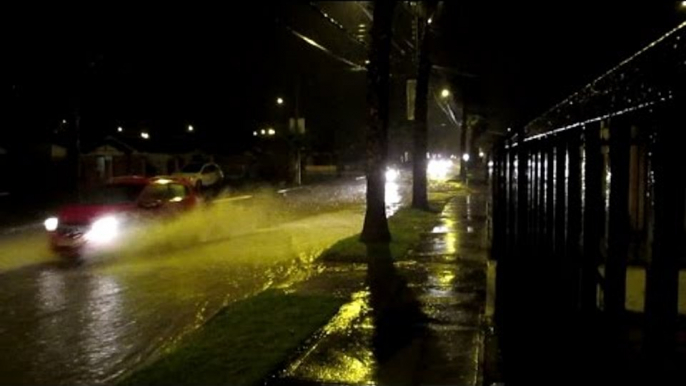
[(113, 194), (155, 192), (192, 168)]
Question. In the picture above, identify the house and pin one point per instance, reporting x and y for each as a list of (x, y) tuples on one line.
[(114, 157)]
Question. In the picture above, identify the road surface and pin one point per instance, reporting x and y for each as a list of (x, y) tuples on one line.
[(66, 323)]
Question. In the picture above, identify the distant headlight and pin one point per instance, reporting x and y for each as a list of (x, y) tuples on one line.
[(392, 175), (103, 230), (439, 168), (51, 224)]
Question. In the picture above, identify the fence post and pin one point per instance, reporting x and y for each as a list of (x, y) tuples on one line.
[(574, 216), (593, 218), (668, 246), (523, 201), (512, 199), (618, 232), (550, 199)]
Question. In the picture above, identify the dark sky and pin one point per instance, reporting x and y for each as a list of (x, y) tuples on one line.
[(221, 68), (531, 55)]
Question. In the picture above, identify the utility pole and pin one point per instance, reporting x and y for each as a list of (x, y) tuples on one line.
[(77, 149), (296, 127), (420, 130), (464, 148)]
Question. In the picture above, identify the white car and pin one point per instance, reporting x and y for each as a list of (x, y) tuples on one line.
[(202, 175)]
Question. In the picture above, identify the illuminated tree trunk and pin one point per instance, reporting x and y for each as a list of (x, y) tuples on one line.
[(375, 227), (420, 133)]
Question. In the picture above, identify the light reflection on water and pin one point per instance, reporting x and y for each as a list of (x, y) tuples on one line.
[(393, 198), (86, 324), (355, 364), (104, 316), (93, 335)]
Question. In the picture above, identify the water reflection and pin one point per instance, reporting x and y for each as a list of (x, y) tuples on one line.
[(87, 341), (103, 322), (440, 280), (396, 312), (51, 289), (440, 229), (393, 198), (450, 236)]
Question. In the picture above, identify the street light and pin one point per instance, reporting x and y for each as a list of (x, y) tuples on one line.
[(683, 4), (465, 157), (445, 93), (120, 129), (279, 101), (145, 135), (271, 131), (190, 128)]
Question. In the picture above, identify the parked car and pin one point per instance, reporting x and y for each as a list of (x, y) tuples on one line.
[(103, 217), (202, 175)]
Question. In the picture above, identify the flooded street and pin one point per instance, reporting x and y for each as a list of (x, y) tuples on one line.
[(88, 323)]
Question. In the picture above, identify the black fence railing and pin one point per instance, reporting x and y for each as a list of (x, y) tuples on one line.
[(592, 187)]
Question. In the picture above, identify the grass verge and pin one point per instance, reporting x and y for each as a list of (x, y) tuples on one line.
[(405, 225), (250, 339), (243, 343)]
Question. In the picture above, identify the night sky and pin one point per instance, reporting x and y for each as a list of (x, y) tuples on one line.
[(221, 68)]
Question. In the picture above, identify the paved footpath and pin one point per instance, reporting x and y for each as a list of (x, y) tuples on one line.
[(413, 321)]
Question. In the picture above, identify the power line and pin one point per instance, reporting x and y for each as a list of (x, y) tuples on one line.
[(313, 43), (351, 36), (338, 25)]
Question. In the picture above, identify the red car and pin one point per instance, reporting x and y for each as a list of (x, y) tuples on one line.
[(103, 216)]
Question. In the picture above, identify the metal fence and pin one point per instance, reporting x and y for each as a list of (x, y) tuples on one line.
[(594, 185)]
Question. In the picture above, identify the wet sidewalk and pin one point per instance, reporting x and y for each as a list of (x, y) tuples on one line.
[(415, 320)]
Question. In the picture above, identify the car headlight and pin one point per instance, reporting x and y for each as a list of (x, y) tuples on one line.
[(51, 224), (439, 168), (103, 230), (392, 174)]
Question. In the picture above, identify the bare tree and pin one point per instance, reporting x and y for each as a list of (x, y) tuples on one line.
[(375, 227)]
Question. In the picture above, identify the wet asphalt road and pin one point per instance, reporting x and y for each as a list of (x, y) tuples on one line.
[(88, 323)]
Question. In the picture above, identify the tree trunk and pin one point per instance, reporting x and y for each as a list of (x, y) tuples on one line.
[(419, 194), (375, 227)]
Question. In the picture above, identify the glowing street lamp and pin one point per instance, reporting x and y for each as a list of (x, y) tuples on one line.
[(120, 129), (190, 128), (445, 93), (279, 101), (145, 135), (271, 131), (465, 157)]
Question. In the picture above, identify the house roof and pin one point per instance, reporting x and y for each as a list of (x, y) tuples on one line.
[(140, 145)]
